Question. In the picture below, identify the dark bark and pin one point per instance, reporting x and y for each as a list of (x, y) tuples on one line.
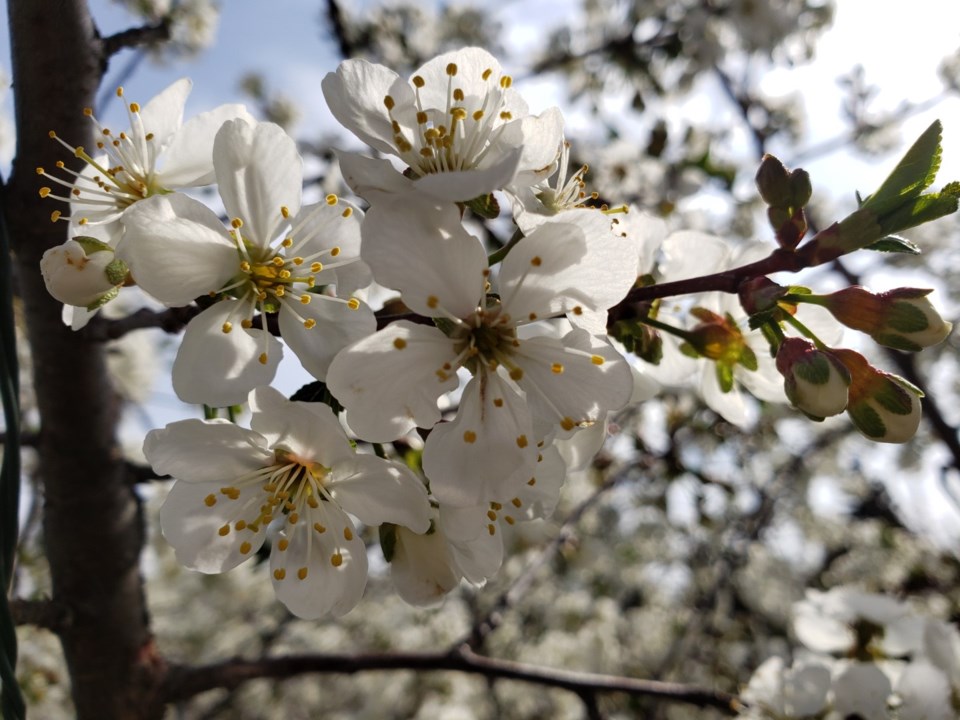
[(92, 522)]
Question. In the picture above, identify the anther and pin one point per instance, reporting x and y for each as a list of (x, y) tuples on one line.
[(597, 360), (469, 436), (347, 534), (210, 500), (452, 69), (262, 358), (399, 343), (224, 531), (336, 559), (302, 573), (522, 441), (353, 304), (245, 547), (279, 573), (283, 544)]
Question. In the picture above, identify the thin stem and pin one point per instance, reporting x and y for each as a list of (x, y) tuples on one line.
[(499, 255)]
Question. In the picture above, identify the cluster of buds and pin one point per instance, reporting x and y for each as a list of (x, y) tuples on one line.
[(785, 192), (825, 382)]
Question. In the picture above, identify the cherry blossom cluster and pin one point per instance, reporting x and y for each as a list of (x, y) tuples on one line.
[(863, 655), (498, 365)]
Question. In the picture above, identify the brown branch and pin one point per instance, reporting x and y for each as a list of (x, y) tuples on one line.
[(137, 37), (185, 682), (170, 320), (46, 614), (338, 29)]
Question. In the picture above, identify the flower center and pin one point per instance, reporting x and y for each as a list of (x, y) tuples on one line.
[(455, 137), (277, 279)]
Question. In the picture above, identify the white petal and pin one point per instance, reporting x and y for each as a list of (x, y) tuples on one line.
[(566, 264), (308, 430), (479, 559), (540, 499), (390, 382), (690, 254), (579, 379), (337, 326), (420, 248), (377, 491), (194, 526), (259, 172), (861, 690), (205, 451), (319, 573), (472, 459), (733, 406), (163, 115), (177, 248), (464, 185), (372, 178), (925, 692), (422, 567), (220, 369), (542, 135), (322, 227), (188, 160), (805, 689), (355, 94)]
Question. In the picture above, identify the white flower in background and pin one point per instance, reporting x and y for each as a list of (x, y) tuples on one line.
[(776, 690), (460, 127), (826, 622), (157, 154), (293, 476), (522, 387), (270, 260)]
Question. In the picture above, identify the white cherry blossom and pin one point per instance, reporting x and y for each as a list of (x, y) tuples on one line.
[(292, 477), (524, 385), (157, 154), (272, 257), (458, 124)]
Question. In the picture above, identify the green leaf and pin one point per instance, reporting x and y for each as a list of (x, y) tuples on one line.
[(485, 206), (895, 243), (914, 173), (921, 210)]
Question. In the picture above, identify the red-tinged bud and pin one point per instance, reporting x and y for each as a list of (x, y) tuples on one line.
[(815, 381), (773, 182), (884, 407), (903, 318)]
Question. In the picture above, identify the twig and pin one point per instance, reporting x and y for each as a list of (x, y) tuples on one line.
[(137, 37), (47, 614), (170, 320), (185, 682)]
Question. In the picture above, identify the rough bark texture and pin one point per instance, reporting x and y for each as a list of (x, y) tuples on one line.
[(92, 524)]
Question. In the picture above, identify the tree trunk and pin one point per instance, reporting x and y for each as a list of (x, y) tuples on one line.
[(93, 528)]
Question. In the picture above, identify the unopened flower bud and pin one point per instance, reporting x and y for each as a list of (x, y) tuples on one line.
[(82, 271), (814, 380), (773, 182), (884, 407), (903, 318)]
